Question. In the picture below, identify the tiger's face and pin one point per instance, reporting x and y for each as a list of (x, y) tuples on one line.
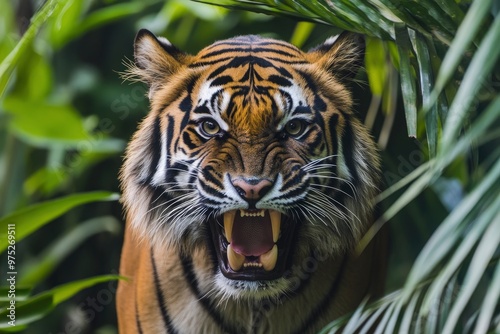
[(250, 156)]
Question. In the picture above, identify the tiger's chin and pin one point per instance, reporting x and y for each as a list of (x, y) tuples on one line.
[(228, 288), (253, 249)]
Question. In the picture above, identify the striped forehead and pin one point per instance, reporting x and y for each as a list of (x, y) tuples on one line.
[(249, 76)]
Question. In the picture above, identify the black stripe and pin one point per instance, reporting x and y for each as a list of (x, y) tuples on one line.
[(209, 62), (239, 61), (319, 103), (253, 40), (169, 137), (348, 150), (289, 62), (187, 103), (220, 81), (155, 146), (137, 319), (323, 305), (186, 139), (333, 139), (280, 81), (161, 299), (187, 265), (246, 49), (208, 175)]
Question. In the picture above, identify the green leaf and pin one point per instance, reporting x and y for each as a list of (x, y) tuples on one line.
[(36, 270), (104, 16), (465, 34), (376, 65), (44, 121), (444, 239), (481, 65), (301, 33), (10, 62), (408, 85), (22, 293), (460, 253), (489, 303), (484, 252), (61, 25), (425, 73), (40, 305), (29, 219)]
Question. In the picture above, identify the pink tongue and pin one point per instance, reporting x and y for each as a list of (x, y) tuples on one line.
[(252, 236)]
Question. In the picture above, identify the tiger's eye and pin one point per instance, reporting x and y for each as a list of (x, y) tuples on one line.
[(295, 128), (210, 128)]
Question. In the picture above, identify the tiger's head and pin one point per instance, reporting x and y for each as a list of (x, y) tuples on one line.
[(251, 157)]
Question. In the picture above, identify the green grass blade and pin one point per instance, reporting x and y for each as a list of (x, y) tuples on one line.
[(425, 74), (490, 301), (356, 318), (407, 320), (105, 16), (31, 218), (301, 33), (464, 36), (460, 254), (408, 85), (479, 262), (9, 63), (394, 318), (480, 66), (444, 238), (39, 268), (40, 305)]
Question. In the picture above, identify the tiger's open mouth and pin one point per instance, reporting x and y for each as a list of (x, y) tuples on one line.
[(253, 244)]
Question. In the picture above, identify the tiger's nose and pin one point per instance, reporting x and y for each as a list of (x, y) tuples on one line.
[(252, 189)]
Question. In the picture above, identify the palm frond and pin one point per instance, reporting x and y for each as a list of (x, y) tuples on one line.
[(448, 66)]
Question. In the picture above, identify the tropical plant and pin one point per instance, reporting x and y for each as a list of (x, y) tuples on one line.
[(64, 123), (447, 56)]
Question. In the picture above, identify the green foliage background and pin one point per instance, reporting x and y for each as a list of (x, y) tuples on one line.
[(431, 100)]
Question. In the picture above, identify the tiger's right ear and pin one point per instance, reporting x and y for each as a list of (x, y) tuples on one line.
[(156, 59)]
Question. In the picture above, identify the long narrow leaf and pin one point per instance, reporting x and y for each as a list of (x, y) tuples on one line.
[(443, 238), (482, 63), (31, 218), (479, 262), (408, 86), (40, 305), (474, 233), (37, 270), (490, 301), (8, 64), (426, 77), (463, 38)]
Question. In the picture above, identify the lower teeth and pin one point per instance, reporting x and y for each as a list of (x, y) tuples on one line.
[(267, 261)]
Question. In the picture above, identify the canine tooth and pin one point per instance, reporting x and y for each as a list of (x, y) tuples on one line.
[(269, 259), (276, 223), (228, 224), (235, 260)]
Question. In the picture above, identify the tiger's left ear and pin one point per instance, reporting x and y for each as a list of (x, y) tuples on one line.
[(341, 55), (156, 60)]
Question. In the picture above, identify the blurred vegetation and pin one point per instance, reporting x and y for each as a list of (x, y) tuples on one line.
[(431, 102)]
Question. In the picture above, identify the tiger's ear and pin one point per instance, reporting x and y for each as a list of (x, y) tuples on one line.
[(341, 55), (156, 59)]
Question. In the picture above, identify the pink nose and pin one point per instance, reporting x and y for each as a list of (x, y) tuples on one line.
[(252, 189)]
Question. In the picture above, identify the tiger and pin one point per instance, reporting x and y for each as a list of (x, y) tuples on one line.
[(246, 189)]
